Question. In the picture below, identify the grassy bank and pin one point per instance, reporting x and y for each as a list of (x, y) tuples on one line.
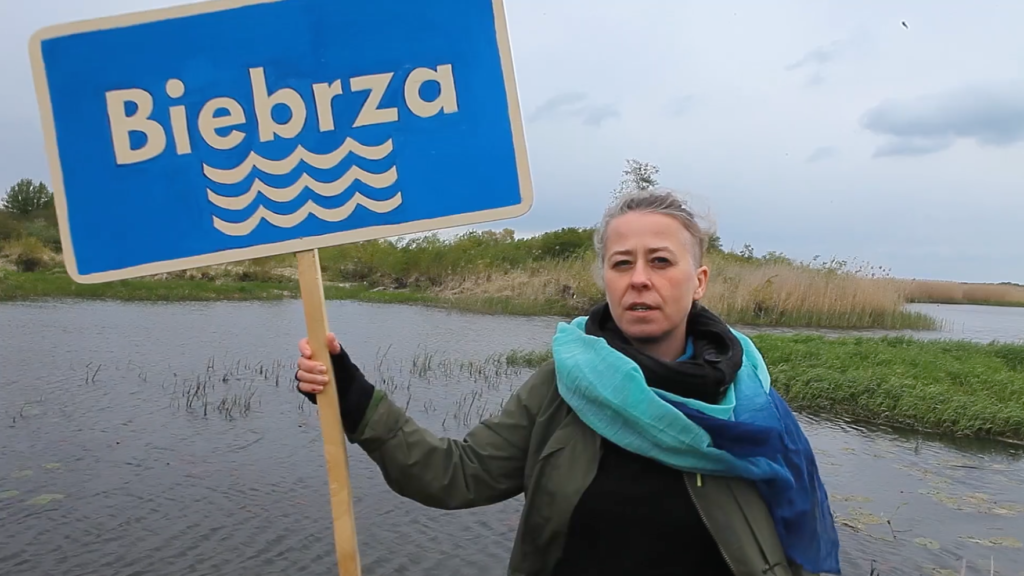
[(552, 273), (766, 294), (17, 286), (56, 284), (496, 272), (953, 387)]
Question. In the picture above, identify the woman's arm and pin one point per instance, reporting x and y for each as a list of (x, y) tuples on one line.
[(486, 466)]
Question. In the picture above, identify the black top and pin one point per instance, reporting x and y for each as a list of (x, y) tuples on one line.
[(637, 518)]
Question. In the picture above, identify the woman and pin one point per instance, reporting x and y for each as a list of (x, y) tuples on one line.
[(611, 441)]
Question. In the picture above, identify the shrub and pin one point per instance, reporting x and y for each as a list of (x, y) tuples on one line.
[(29, 254), (10, 227), (47, 234)]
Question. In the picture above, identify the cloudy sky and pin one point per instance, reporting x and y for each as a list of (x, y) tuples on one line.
[(806, 127)]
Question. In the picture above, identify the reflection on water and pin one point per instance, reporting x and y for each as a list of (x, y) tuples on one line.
[(166, 440)]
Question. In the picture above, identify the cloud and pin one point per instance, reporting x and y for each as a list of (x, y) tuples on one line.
[(815, 78), (595, 116), (558, 103), (680, 105), (912, 147), (822, 153), (991, 115), (816, 60), (818, 56), (574, 105)]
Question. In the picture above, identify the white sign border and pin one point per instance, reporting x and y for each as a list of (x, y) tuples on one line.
[(289, 246)]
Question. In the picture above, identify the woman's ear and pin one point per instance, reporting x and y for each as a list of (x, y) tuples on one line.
[(702, 282)]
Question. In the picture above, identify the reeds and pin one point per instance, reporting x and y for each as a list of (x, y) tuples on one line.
[(742, 292), (939, 292), (808, 296), (240, 382), (473, 389), (553, 274)]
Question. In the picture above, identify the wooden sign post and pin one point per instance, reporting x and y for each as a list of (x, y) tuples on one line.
[(227, 130), (313, 305)]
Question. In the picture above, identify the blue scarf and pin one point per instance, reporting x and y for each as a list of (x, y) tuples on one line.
[(751, 434)]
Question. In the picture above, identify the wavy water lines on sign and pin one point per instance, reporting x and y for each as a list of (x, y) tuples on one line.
[(326, 189), (285, 165), (290, 166), (310, 207)]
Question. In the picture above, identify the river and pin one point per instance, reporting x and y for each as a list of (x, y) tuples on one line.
[(107, 467)]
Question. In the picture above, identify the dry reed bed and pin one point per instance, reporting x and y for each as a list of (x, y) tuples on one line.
[(742, 293), (936, 291)]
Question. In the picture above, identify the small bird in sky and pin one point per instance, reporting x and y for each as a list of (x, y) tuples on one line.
[(904, 22)]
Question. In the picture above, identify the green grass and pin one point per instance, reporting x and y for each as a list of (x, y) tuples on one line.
[(953, 387), (527, 358), (57, 284), (16, 286)]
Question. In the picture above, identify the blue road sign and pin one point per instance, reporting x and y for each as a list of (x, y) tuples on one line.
[(227, 130)]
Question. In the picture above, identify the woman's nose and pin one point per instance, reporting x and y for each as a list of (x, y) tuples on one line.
[(641, 276)]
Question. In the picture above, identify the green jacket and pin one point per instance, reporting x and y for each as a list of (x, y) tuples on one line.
[(537, 446)]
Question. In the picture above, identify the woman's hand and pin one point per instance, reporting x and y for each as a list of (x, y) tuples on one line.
[(312, 375), (355, 392)]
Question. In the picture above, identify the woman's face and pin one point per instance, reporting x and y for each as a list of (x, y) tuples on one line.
[(651, 280)]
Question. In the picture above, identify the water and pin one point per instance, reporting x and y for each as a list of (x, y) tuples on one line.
[(106, 468), (978, 323)]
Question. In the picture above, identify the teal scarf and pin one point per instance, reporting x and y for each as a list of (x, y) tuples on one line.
[(751, 434)]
